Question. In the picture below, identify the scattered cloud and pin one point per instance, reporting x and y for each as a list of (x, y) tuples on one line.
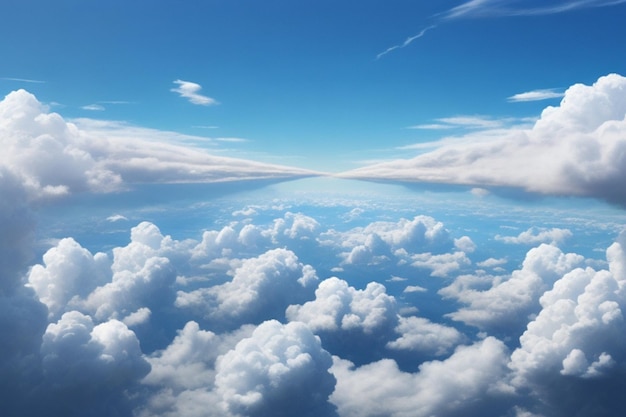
[(191, 91), (93, 107), (576, 148), (536, 95), (116, 218), (536, 235), (499, 8)]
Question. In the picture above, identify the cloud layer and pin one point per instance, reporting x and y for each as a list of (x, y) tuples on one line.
[(576, 148)]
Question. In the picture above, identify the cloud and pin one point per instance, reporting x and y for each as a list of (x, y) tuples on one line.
[(464, 383), (536, 235), (261, 288), (116, 218), (536, 95), (93, 107), (52, 157), (508, 300), (422, 335), (499, 8), (190, 91), (281, 370), (23, 80), (575, 149), (406, 43)]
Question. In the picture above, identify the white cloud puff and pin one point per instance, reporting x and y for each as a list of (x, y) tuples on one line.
[(511, 298), (191, 91), (281, 370), (338, 306), (422, 335), (576, 148), (261, 288)]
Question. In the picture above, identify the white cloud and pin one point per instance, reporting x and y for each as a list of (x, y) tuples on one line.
[(536, 95), (498, 8), (576, 149), (406, 43), (422, 335), (116, 218), (441, 265), (93, 107), (338, 306), (281, 370), (191, 91), (468, 378), (261, 288), (536, 235), (52, 157), (414, 288), (509, 300)]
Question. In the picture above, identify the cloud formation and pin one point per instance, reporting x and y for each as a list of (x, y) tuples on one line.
[(576, 148), (191, 91), (52, 157), (536, 95)]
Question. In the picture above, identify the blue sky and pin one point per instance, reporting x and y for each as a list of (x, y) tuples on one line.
[(312, 208), (301, 80)]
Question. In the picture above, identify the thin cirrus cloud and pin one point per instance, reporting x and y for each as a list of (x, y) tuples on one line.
[(501, 8), (93, 107), (191, 91), (23, 80), (536, 95), (576, 149)]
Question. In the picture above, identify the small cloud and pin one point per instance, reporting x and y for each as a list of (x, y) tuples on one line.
[(205, 127), (536, 95), (93, 107), (22, 80), (431, 126), (190, 90), (231, 140), (480, 192), (414, 288), (116, 218), (406, 43), (396, 279)]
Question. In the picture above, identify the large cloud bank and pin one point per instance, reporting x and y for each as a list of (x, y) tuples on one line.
[(577, 148), (54, 157)]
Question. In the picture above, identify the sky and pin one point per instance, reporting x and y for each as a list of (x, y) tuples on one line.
[(313, 208)]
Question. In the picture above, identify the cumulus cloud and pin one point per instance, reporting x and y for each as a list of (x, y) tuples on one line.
[(191, 91), (465, 383), (339, 306), (576, 148), (261, 288), (510, 299), (536, 235), (422, 335), (281, 370), (53, 157)]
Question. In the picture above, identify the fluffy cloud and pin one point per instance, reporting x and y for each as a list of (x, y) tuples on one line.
[(90, 367), (578, 336), (261, 288), (464, 383), (576, 148), (536, 235), (509, 299), (52, 157), (281, 370), (380, 241), (422, 335), (340, 306)]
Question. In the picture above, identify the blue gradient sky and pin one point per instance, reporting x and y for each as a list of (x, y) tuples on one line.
[(303, 81)]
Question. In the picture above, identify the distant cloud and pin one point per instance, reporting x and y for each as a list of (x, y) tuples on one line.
[(93, 107), (23, 80), (116, 218), (576, 149), (406, 43), (499, 8), (536, 95), (190, 91), (536, 235)]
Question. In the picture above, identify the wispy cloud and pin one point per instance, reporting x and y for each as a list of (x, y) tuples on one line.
[(93, 107), (406, 43), (536, 95), (191, 91), (503, 8), (23, 80), (500, 8)]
